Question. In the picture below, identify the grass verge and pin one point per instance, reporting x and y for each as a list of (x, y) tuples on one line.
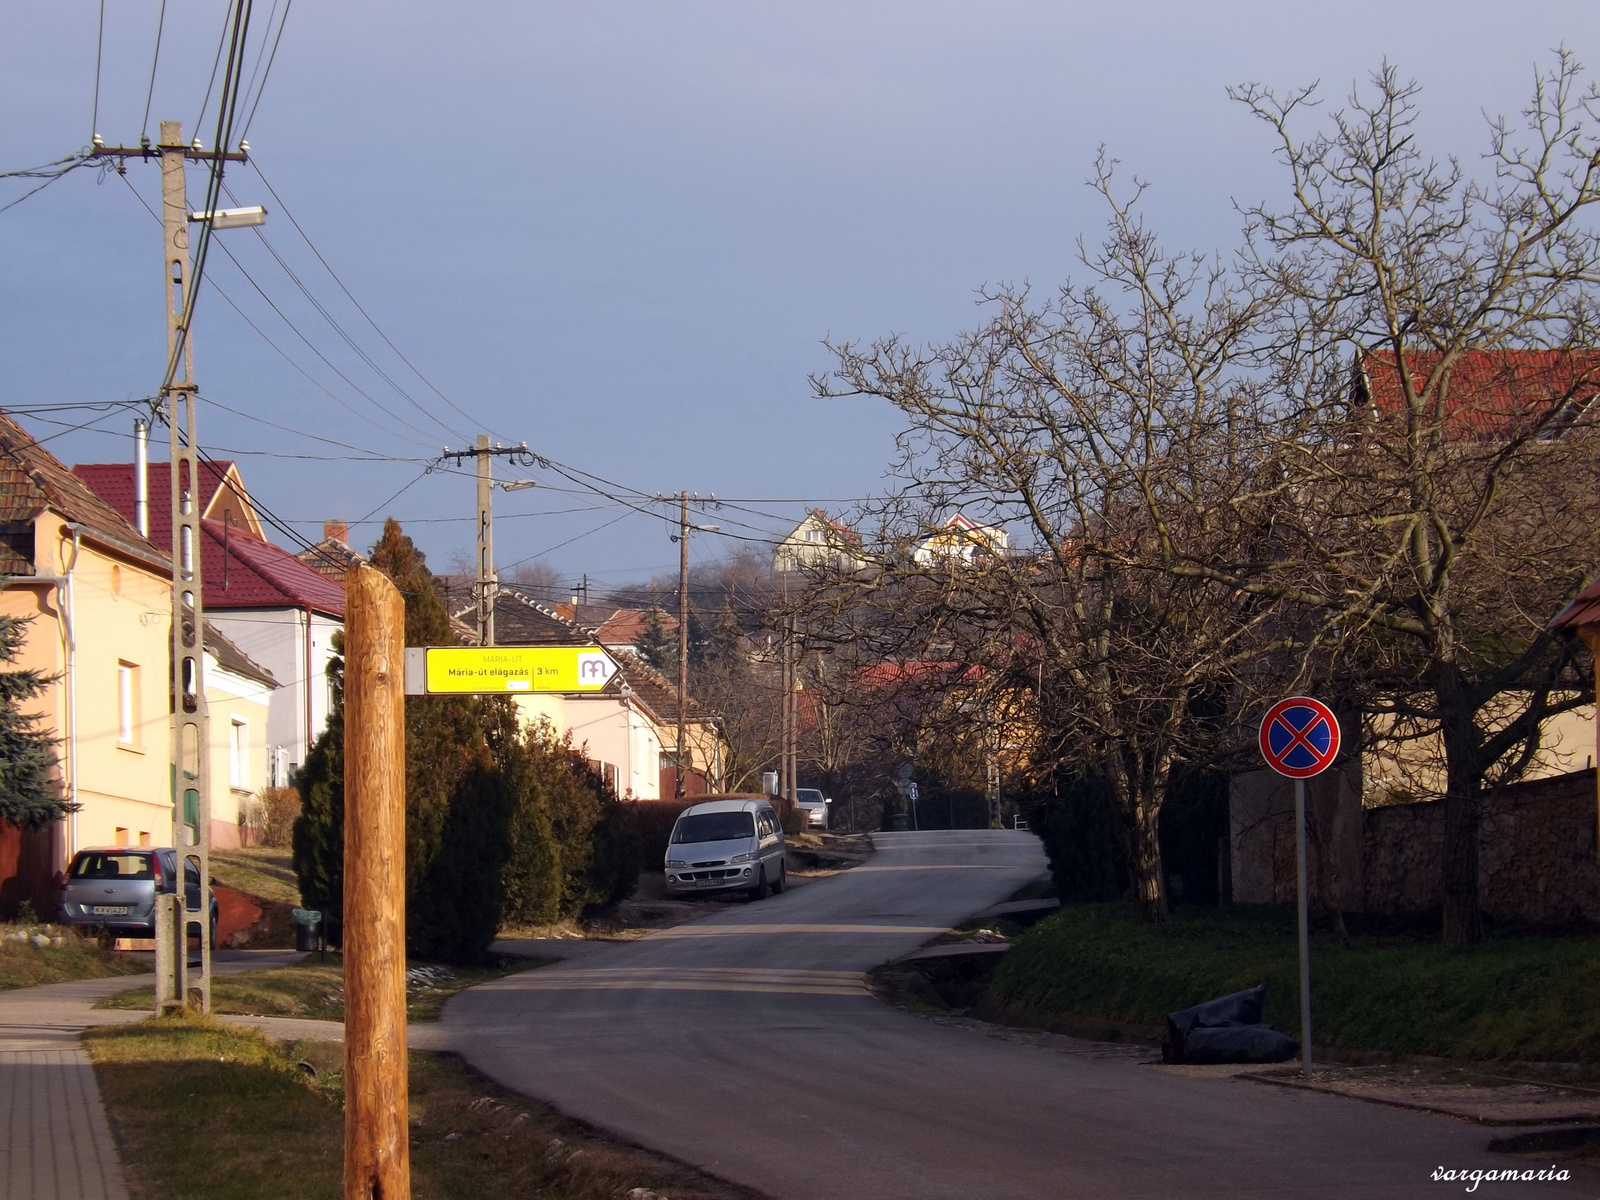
[(62, 956), (314, 989), (258, 871), (203, 1109), (1510, 998)]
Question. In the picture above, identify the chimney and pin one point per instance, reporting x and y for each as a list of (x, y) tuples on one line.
[(336, 531)]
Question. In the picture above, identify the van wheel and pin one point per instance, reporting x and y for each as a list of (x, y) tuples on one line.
[(760, 888), (783, 878)]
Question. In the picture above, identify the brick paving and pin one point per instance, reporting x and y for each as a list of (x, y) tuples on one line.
[(55, 1140), (57, 1144)]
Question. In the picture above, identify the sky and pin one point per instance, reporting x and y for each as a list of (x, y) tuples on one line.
[(622, 232)]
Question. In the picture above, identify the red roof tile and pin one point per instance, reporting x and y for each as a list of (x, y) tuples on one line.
[(31, 480), (1487, 393), (243, 572), (1584, 609), (115, 482)]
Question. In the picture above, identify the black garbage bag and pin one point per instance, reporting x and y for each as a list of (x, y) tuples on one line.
[(1240, 1011), (1238, 1044)]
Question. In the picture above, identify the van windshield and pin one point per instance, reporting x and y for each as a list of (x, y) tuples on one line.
[(714, 827)]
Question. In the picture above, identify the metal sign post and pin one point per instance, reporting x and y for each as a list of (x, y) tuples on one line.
[(1299, 738)]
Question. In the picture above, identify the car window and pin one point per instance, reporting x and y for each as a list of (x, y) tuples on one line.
[(105, 864), (713, 827)]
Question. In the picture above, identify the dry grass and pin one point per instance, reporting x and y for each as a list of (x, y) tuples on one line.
[(314, 989), (258, 871), (207, 1110), (63, 957)]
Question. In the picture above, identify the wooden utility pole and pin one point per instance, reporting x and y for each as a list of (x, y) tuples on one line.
[(683, 635), (377, 1149)]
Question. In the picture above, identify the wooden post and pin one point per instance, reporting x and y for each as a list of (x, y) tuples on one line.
[(377, 1149)]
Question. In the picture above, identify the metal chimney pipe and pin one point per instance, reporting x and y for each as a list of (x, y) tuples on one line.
[(141, 477)]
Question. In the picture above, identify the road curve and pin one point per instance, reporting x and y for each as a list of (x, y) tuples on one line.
[(746, 1045)]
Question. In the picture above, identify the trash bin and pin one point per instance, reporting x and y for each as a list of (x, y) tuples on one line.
[(307, 927), (899, 821)]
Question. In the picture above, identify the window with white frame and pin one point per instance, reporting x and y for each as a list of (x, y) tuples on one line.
[(239, 754), (127, 703)]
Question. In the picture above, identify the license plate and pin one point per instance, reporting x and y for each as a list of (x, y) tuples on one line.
[(708, 883), (109, 910)]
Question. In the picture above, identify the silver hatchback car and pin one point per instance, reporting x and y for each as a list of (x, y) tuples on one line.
[(115, 887), (729, 844)]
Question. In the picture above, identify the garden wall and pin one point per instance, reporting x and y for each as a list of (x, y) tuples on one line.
[(1536, 854)]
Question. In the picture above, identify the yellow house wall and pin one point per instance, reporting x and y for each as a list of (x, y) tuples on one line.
[(121, 617)]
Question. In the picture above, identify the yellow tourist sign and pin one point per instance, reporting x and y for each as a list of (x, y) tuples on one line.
[(478, 670)]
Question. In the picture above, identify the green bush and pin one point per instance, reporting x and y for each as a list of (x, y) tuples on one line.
[(1530, 999)]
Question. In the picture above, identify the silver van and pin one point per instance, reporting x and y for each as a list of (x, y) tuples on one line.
[(727, 844)]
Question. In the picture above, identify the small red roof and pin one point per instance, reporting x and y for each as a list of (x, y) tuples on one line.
[(1487, 392), (243, 572), (114, 482), (1584, 609)]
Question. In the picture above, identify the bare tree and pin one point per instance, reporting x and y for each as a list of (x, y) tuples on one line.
[(1097, 425)]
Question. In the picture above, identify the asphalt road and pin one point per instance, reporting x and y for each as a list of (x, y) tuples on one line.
[(745, 1045)]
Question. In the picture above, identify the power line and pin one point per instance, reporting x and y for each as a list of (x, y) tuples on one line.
[(339, 329), (271, 58), (155, 60), (284, 208), (285, 355), (99, 46)]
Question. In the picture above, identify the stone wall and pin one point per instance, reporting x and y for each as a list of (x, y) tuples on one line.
[(1536, 855)]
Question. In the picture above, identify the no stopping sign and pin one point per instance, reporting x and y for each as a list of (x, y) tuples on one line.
[(1299, 737)]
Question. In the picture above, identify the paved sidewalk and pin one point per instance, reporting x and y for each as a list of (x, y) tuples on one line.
[(55, 1141)]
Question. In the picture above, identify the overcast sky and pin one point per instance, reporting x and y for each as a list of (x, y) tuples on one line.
[(620, 231)]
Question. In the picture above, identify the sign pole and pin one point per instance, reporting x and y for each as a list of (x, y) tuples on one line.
[(1299, 738), (1305, 934)]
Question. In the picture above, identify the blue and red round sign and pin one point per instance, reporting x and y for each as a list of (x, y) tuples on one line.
[(1300, 737)]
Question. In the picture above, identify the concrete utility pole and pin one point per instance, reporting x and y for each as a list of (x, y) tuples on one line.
[(377, 1147), (485, 556), (191, 724), (683, 636), (488, 584)]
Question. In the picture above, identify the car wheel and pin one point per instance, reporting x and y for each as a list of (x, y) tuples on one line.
[(781, 880), (213, 932), (760, 888)]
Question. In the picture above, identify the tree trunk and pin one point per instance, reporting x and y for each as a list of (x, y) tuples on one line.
[(1462, 917), (1145, 871)]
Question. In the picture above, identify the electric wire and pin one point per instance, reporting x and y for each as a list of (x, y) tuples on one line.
[(216, 61), (155, 61), (48, 172), (340, 330), (99, 47), (271, 58), (261, 51), (334, 275), (284, 354), (561, 545)]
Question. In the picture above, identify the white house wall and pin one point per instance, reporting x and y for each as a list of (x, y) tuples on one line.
[(276, 638)]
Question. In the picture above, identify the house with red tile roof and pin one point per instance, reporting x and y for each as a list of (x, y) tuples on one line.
[(271, 605), (97, 599)]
